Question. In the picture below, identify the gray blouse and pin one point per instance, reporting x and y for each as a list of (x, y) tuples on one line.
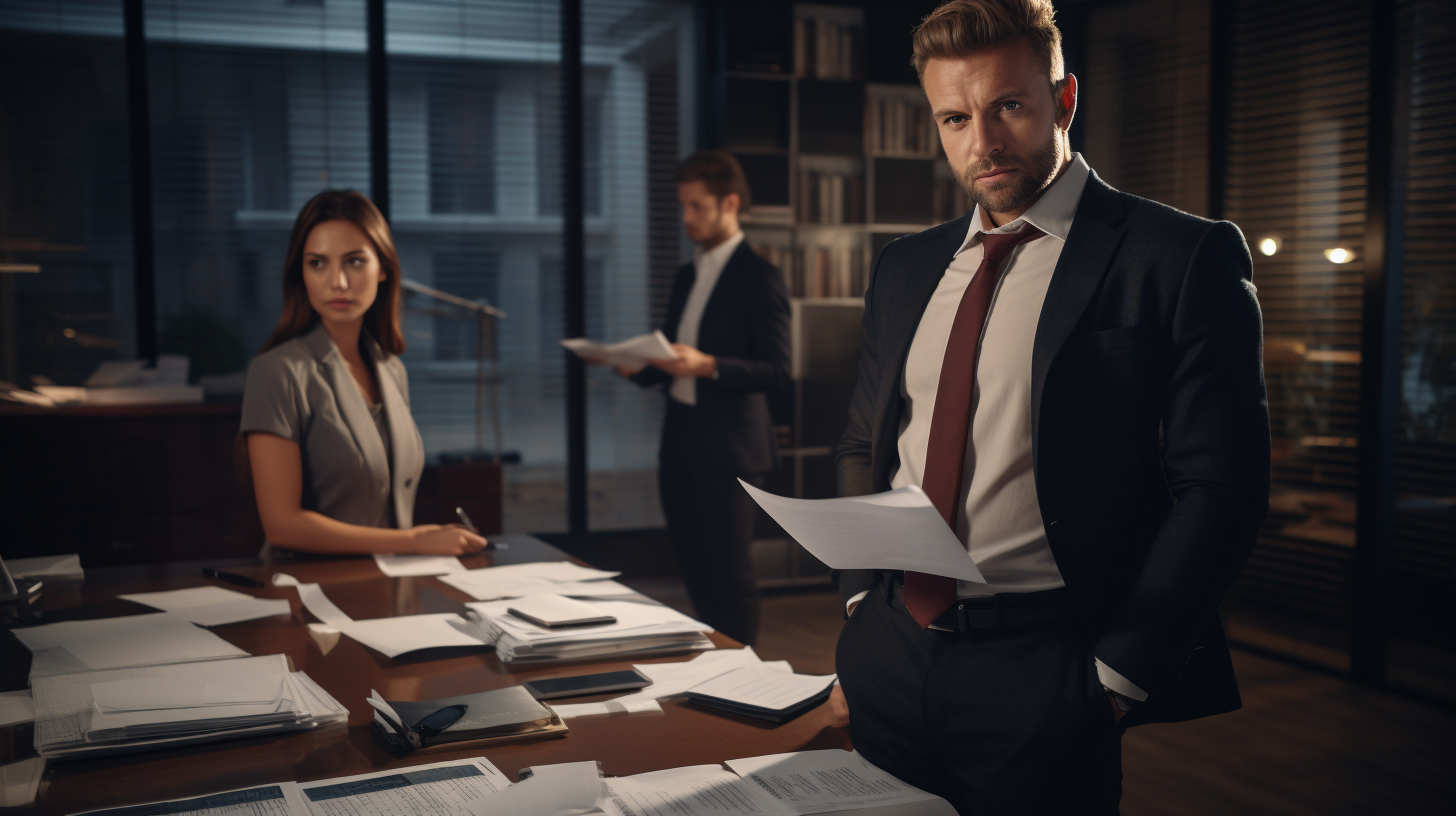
[(358, 467)]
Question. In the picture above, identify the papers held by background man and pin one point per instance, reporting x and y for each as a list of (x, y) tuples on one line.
[(112, 643), (897, 530), (210, 605), (637, 351)]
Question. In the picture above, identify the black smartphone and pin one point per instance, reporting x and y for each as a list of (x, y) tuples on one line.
[(549, 688)]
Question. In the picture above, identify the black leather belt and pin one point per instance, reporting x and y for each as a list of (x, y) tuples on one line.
[(1000, 611)]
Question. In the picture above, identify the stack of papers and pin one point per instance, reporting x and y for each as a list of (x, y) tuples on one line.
[(520, 580), (640, 629), (114, 643), (763, 693), (210, 605), (120, 710), (638, 351), (797, 784)]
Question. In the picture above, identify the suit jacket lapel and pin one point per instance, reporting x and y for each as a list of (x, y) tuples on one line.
[(401, 436), (916, 279), (350, 400), (1096, 233)]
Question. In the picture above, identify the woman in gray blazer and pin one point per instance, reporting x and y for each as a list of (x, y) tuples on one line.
[(335, 455)]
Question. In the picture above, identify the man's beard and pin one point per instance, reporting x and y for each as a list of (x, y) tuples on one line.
[(1036, 172)]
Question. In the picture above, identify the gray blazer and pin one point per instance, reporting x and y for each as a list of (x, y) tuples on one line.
[(302, 390)]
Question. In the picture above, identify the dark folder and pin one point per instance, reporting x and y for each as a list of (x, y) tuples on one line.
[(490, 717)]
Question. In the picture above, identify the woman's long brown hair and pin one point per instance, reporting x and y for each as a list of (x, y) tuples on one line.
[(298, 316), (382, 318)]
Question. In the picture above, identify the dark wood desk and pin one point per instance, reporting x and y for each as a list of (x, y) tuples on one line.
[(628, 744)]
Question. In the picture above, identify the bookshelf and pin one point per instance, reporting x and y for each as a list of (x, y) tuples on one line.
[(839, 167)]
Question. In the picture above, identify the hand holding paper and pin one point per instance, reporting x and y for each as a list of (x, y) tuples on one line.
[(634, 353), (898, 530)]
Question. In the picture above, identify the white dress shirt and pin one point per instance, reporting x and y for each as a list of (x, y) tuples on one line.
[(999, 518), (708, 268)]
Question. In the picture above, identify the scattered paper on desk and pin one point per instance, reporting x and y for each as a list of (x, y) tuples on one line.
[(409, 566), (19, 781), (16, 707), (636, 351), (211, 605), (134, 640), (442, 789), (828, 781), (763, 687), (48, 568), (282, 799), (696, 790), (673, 679), (607, 708), (391, 637), (898, 530), (566, 789)]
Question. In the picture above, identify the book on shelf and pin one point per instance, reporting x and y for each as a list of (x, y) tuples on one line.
[(827, 49), (818, 271), (830, 198), (899, 126)]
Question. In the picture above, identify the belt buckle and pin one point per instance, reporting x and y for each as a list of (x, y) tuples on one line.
[(963, 616)]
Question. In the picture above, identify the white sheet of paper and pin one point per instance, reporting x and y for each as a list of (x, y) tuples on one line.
[(764, 687), (134, 640), (566, 789), (406, 566), (16, 707), (442, 788), (216, 688), (495, 583), (673, 679), (831, 781), (19, 781), (315, 601), (396, 636), (567, 712), (282, 799), (49, 568), (638, 350), (898, 530), (696, 790), (210, 605)]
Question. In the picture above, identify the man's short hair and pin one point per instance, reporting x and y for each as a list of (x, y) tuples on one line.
[(719, 172), (962, 27)]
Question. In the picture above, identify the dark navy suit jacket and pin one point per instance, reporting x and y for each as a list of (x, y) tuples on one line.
[(745, 325), (1150, 429)]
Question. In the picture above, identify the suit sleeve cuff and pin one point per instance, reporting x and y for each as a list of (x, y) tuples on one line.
[(860, 596), (1118, 683)]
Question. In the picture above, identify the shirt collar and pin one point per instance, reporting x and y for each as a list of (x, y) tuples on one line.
[(1052, 213), (719, 254)]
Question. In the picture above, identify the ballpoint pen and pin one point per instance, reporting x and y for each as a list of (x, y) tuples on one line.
[(470, 525)]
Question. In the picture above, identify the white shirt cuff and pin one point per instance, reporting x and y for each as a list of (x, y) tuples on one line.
[(856, 599), (1118, 683)]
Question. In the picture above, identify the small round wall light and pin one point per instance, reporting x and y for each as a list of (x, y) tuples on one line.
[(1269, 246), (1339, 255)]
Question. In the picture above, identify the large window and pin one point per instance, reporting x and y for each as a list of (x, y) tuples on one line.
[(66, 287)]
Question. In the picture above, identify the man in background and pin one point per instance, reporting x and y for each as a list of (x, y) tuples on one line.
[(728, 319), (1073, 375)]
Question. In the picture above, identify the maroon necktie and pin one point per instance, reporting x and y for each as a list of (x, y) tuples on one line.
[(929, 596)]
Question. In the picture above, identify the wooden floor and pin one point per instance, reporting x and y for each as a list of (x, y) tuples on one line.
[(1304, 744)]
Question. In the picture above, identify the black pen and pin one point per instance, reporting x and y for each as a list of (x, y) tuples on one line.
[(233, 578), (470, 525)]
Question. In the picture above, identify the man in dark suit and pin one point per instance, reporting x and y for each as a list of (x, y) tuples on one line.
[(728, 318), (1074, 377)]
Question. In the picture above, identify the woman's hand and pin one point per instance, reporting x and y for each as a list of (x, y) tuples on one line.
[(444, 539)]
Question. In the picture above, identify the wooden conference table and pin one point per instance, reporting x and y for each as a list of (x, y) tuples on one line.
[(625, 744)]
